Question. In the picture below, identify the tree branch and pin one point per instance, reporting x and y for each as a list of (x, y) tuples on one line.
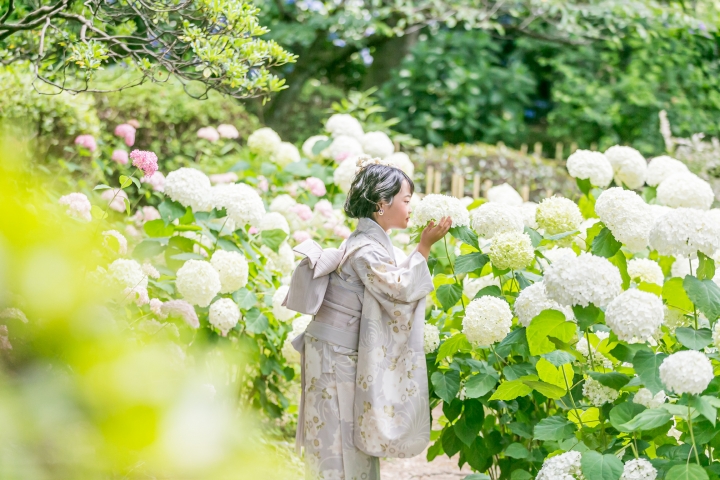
[(10, 9)]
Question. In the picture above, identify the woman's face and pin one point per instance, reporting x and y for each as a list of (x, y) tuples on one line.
[(396, 215)]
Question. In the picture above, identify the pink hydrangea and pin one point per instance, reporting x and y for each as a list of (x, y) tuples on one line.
[(117, 203), (156, 181), (222, 178), (342, 231), (78, 205), (292, 189), (131, 231), (156, 307), (263, 184), (209, 134), (341, 157), (146, 214), (182, 309), (120, 156), (316, 186), (134, 123), (301, 235), (228, 131), (127, 132), (138, 294), (86, 141), (145, 161), (253, 230), (302, 211), (325, 208)]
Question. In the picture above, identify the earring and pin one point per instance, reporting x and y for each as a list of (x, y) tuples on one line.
[(380, 212)]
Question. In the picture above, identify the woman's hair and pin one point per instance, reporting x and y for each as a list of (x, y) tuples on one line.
[(374, 183)]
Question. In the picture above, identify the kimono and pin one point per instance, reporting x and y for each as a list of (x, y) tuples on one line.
[(364, 378)]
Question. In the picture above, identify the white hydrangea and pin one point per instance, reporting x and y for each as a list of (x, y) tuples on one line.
[(684, 231), (663, 167), (627, 217), (487, 320), (687, 371), (299, 325), (583, 280), (685, 190), (274, 221), (128, 273), (628, 164), (558, 215), (307, 146), (716, 334), (285, 154), (555, 254), (435, 206), (224, 315), (198, 282), (343, 148), (191, 188), (283, 261), (242, 203), (513, 250), (377, 144), (645, 270), (281, 313), (504, 193), (638, 469), (344, 124), (288, 351), (264, 141), (471, 286), (344, 174), (489, 219), (599, 394), (674, 318), (634, 315), (232, 268), (532, 300), (431, 338), (402, 161), (645, 398), (528, 210), (586, 164), (565, 466), (598, 358)]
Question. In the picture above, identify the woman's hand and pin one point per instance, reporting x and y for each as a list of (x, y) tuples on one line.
[(432, 233)]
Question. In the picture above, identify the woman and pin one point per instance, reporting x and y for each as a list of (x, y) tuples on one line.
[(365, 392)]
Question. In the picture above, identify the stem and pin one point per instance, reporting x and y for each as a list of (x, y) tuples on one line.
[(452, 267), (694, 307), (218, 235), (590, 349), (634, 445), (572, 400), (692, 436)]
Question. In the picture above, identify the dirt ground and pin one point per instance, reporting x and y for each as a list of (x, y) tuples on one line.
[(418, 468)]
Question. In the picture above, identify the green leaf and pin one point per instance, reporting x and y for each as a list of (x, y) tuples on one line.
[(449, 295), (559, 357), (704, 406), (584, 185), (553, 375), (446, 384), (481, 383), (596, 466), (453, 345), (549, 323), (470, 262), (554, 428), (256, 321), (158, 228), (321, 145), (688, 471), (465, 235), (125, 181), (246, 299), (466, 432), (647, 364), (535, 237), (547, 389), (511, 390), (491, 290), (297, 169), (604, 244), (623, 413), (706, 267), (450, 442), (147, 249), (694, 339), (126, 201), (102, 186), (187, 256), (273, 238), (620, 261), (477, 476), (648, 419), (593, 232), (705, 294), (587, 316), (171, 211), (613, 380), (674, 295), (517, 450), (98, 213)]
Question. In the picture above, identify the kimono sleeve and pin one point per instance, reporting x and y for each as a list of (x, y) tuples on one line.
[(406, 282)]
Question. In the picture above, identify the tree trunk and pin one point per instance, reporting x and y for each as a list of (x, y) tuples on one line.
[(388, 56)]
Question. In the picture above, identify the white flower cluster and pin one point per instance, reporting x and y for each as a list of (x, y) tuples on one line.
[(558, 215), (555, 254), (533, 300), (528, 210), (283, 261), (224, 315), (402, 161), (431, 338), (634, 315), (638, 469), (285, 154), (274, 221), (232, 269), (299, 325), (583, 280), (78, 205), (435, 206), (377, 144), (344, 174), (687, 371), (490, 218), (586, 164), (264, 141), (597, 357), (627, 217), (198, 282), (281, 313), (344, 147), (191, 188), (684, 231), (487, 320), (244, 205), (343, 124), (685, 190), (645, 398), (565, 466), (309, 144), (511, 250), (128, 274), (663, 167), (628, 164), (599, 394), (645, 270), (504, 193)]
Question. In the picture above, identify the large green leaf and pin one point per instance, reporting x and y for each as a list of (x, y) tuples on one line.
[(559, 357), (535, 237), (453, 345), (256, 321), (587, 316), (647, 420), (158, 228), (596, 466), (470, 262), (705, 294), (511, 390), (148, 249), (647, 366), (450, 442), (549, 323), (613, 380), (547, 389), (466, 431), (706, 267), (491, 290), (694, 339), (465, 235), (446, 384), (517, 450), (674, 295), (554, 428), (620, 262), (688, 471), (273, 238), (604, 244), (170, 211), (623, 413), (482, 382), (705, 407), (448, 295)]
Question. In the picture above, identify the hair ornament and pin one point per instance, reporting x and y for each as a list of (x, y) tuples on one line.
[(364, 161)]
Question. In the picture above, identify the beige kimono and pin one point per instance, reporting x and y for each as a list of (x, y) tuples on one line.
[(365, 392)]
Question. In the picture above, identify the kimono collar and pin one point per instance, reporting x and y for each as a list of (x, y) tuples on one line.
[(370, 227)]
